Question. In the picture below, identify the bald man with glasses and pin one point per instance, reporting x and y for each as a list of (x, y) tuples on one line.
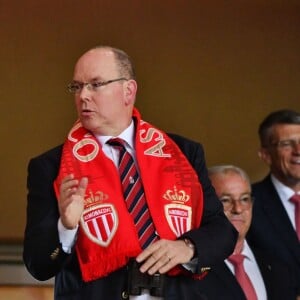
[(121, 210)]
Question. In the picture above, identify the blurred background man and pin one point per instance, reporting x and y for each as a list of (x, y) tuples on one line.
[(248, 273), (276, 213)]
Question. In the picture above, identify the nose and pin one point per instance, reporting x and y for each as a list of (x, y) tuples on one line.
[(236, 207), (296, 147), (85, 93)]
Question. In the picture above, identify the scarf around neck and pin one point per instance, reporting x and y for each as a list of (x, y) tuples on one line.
[(107, 236)]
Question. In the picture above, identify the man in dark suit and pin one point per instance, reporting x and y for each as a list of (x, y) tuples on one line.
[(268, 278), (146, 236), (274, 224)]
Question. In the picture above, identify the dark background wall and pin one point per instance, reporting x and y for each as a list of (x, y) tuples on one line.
[(209, 70)]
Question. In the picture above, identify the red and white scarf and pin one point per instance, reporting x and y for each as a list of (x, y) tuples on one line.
[(107, 236)]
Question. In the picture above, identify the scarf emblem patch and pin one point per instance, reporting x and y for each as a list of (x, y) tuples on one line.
[(100, 223), (178, 215)]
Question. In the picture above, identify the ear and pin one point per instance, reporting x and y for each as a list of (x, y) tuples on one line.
[(130, 89), (264, 155)]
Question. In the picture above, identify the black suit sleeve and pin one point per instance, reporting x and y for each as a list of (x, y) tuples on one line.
[(42, 251), (216, 237)]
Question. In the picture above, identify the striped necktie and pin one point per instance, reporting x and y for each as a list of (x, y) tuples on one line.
[(134, 194), (296, 200), (242, 277)]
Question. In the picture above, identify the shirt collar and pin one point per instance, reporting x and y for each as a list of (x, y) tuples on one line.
[(247, 252), (284, 192), (127, 135)]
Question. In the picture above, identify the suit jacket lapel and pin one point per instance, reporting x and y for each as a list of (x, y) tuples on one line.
[(266, 272), (278, 217), (225, 275)]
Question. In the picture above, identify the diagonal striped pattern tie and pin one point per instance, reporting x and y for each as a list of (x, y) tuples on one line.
[(242, 277), (296, 200), (134, 194)]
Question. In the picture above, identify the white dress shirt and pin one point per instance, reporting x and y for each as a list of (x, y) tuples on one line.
[(252, 270), (285, 193)]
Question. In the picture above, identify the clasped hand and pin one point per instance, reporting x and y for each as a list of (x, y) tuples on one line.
[(163, 255)]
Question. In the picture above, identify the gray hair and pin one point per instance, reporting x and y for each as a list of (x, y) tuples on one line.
[(225, 169)]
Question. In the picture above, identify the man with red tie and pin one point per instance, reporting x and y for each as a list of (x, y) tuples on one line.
[(275, 226), (247, 273)]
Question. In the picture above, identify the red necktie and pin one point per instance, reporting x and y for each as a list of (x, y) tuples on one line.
[(242, 277), (296, 200), (134, 194)]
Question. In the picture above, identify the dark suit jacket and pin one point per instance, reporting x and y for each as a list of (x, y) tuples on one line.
[(44, 257), (271, 229), (220, 283)]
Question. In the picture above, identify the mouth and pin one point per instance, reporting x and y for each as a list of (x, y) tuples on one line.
[(86, 112), (295, 161), (236, 220)]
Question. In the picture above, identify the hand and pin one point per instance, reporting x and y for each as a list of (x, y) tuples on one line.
[(163, 255), (71, 200)]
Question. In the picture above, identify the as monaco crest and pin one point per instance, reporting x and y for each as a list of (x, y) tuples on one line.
[(178, 215), (179, 218), (100, 223)]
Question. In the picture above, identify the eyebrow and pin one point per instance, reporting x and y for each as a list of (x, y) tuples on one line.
[(94, 79), (242, 194)]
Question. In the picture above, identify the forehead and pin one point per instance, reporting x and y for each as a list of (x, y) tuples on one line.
[(286, 131), (230, 183), (96, 63)]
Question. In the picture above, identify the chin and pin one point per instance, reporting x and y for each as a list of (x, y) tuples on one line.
[(238, 226), (88, 124)]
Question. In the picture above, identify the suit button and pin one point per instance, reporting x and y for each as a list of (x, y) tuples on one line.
[(125, 295), (54, 254)]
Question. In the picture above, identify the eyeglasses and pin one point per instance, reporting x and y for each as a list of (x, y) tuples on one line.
[(286, 144), (76, 87), (245, 202)]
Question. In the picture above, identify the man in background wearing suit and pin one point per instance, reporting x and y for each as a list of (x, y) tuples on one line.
[(262, 277), (276, 221)]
